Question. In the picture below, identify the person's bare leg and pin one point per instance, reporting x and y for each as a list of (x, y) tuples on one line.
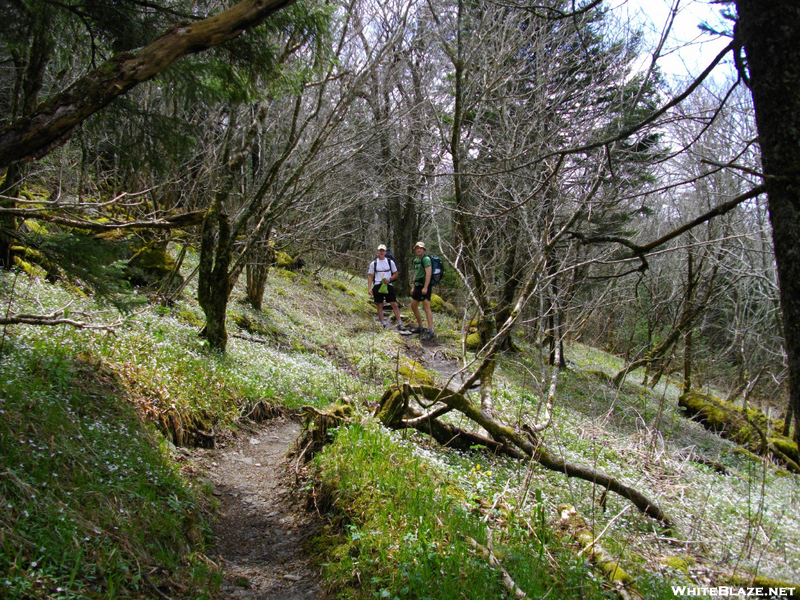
[(428, 313), (380, 311), (396, 310), (415, 309)]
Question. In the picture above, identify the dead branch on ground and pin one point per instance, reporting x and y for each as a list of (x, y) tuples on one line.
[(395, 412)]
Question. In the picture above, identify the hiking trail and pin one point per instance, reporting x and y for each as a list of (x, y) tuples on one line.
[(262, 521)]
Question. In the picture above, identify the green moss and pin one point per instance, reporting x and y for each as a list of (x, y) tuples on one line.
[(761, 581), (287, 275), (785, 445), (437, 304), (415, 373), (154, 259), (251, 325), (681, 564), (28, 253), (615, 573), (474, 341), (728, 420), (338, 285), (35, 227), (191, 318), (29, 268), (283, 260)]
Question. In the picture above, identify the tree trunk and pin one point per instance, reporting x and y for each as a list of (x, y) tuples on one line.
[(257, 271), (9, 188), (688, 342), (769, 32), (213, 287)]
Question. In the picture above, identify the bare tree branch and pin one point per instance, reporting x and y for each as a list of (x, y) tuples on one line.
[(52, 122)]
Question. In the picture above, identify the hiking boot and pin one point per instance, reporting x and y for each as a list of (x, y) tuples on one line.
[(401, 327), (416, 329), (428, 335), (384, 324)]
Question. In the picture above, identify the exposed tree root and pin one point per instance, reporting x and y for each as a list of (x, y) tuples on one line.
[(316, 424), (574, 525), (187, 429), (195, 429), (394, 412)]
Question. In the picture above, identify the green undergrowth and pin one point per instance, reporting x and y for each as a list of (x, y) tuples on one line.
[(714, 490), (90, 504), (400, 528), (399, 505)]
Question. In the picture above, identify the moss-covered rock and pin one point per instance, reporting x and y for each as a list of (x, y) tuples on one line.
[(415, 373), (337, 285), (287, 275), (252, 325), (474, 342), (191, 318), (284, 261), (437, 304), (679, 563), (153, 258), (150, 265)]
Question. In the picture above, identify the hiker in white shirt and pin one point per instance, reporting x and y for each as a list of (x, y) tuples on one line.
[(382, 272)]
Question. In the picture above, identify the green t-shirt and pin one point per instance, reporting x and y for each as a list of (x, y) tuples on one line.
[(419, 268)]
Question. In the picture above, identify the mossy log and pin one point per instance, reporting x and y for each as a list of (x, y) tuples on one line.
[(747, 427), (394, 412), (574, 525)]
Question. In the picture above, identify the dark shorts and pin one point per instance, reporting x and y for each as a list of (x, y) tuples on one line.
[(381, 298), (416, 294)]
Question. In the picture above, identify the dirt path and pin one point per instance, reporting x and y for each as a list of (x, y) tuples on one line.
[(436, 357), (263, 524)]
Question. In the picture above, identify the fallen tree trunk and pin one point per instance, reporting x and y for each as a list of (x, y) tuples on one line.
[(747, 427), (394, 411), (574, 525)]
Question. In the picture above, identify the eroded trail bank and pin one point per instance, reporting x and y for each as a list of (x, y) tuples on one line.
[(263, 524)]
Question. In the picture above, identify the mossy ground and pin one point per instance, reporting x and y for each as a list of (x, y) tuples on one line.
[(321, 344)]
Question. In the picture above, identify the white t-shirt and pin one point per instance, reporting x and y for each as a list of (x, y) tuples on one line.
[(382, 269)]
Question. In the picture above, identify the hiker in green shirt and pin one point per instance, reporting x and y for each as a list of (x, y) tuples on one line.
[(421, 291)]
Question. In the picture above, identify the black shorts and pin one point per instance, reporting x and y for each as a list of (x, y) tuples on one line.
[(417, 295), (381, 298)]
